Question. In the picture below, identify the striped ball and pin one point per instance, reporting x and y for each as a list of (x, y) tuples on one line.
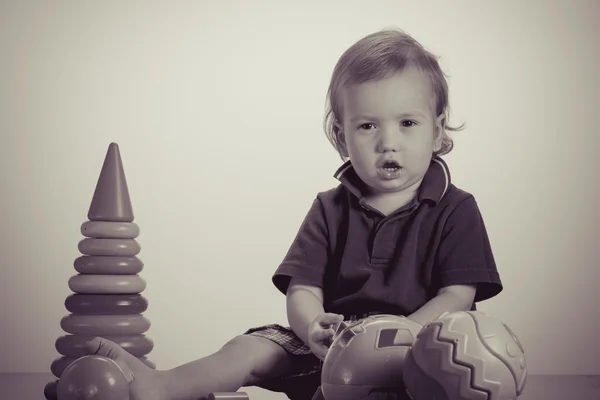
[(465, 356)]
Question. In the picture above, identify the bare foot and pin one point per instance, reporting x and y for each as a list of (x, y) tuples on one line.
[(144, 382)]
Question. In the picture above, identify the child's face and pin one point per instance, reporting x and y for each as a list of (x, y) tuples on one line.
[(388, 130)]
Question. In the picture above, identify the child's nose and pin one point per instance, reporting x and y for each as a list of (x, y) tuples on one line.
[(389, 140)]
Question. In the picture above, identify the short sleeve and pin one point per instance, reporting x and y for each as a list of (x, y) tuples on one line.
[(308, 254), (465, 255)]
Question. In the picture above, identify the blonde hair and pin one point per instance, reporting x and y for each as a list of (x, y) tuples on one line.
[(378, 56)]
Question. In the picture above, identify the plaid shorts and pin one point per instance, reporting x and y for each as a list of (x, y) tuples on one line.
[(290, 342)]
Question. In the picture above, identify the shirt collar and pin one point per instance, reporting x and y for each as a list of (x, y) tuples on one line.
[(434, 186)]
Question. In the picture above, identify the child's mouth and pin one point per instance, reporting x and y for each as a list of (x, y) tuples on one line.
[(389, 170), (391, 166)]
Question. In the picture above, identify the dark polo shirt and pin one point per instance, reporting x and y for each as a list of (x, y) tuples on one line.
[(368, 262)]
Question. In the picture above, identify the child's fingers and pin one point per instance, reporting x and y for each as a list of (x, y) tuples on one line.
[(322, 334), (101, 347), (330, 318)]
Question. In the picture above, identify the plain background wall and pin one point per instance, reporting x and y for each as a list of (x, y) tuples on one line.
[(217, 107)]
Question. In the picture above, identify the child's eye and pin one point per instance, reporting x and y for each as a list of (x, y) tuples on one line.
[(366, 126), (408, 123)]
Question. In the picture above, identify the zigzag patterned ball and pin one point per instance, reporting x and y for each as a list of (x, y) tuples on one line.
[(465, 356)]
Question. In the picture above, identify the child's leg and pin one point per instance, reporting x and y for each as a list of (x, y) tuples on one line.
[(244, 361)]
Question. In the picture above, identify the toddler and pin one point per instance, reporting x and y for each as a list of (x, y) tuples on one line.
[(395, 236)]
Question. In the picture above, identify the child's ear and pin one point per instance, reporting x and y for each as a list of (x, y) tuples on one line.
[(341, 139), (438, 134)]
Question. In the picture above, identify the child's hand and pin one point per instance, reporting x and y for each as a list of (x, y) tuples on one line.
[(143, 382), (321, 331)]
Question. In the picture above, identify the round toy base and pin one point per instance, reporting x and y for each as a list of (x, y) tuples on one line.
[(345, 392)]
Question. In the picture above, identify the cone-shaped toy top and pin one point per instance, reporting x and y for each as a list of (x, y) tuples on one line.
[(111, 200)]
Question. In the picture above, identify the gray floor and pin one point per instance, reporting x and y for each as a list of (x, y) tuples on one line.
[(541, 387)]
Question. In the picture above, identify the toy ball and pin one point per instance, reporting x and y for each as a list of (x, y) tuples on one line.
[(93, 377), (465, 355), (365, 359)]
